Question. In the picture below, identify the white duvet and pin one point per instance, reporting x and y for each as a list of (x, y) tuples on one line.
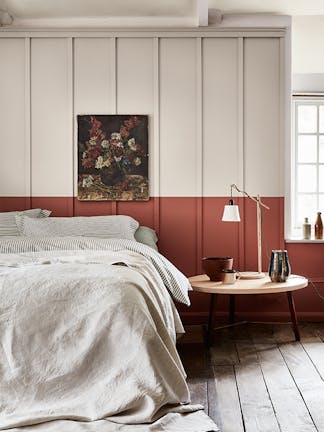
[(87, 343)]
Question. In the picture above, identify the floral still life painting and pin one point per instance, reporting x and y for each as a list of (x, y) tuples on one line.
[(113, 157)]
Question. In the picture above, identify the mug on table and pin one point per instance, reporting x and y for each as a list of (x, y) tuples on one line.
[(230, 276)]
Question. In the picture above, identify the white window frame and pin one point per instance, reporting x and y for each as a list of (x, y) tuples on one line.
[(295, 231)]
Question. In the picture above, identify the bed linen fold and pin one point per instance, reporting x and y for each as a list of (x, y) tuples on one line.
[(88, 344), (174, 280)]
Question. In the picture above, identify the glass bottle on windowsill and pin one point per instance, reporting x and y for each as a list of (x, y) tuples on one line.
[(319, 227), (306, 229)]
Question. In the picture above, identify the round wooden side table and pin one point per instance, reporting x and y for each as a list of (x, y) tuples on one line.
[(202, 283)]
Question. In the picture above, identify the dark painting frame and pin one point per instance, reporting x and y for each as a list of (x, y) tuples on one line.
[(113, 157)]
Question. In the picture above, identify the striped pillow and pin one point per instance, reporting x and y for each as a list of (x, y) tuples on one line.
[(121, 227), (8, 226)]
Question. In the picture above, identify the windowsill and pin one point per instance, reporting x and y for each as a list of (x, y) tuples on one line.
[(303, 241)]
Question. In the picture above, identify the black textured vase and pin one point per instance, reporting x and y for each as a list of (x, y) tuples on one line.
[(279, 268), (110, 175)]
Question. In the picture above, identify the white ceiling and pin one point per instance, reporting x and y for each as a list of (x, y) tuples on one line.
[(282, 7), (151, 13), (103, 13), (94, 8)]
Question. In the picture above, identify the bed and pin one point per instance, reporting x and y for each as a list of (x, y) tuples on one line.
[(88, 329)]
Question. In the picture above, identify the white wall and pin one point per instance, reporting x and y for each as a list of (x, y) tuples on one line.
[(213, 100), (51, 117), (14, 135), (307, 54), (307, 44)]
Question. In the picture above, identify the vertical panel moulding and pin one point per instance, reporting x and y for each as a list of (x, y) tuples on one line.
[(114, 107), (240, 149), (27, 125), (283, 126), (156, 134), (286, 62), (75, 129), (70, 84), (199, 156)]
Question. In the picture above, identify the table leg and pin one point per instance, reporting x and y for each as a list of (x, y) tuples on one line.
[(293, 315), (211, 319), (232, 309)]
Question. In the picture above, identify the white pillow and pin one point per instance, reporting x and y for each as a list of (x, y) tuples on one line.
[(121, 227), (8, 226)]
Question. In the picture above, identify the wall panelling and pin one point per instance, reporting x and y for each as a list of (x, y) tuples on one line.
[(214, 104)]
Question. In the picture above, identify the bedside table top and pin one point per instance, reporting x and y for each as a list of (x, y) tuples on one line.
[(201, 283)]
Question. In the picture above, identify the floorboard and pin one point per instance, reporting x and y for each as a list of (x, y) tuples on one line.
[(314, 346), (256, 405), (229, 416), (307, 380), (224, 353), (289, 406), (198, 389), (256, 378), (318, 329)]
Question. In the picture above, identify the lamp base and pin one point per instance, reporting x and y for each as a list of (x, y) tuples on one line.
[(251, 275)]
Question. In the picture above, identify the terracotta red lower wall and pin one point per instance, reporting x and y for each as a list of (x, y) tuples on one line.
[(191, 227)]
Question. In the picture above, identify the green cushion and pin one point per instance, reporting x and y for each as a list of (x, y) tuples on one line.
[(146, 236)]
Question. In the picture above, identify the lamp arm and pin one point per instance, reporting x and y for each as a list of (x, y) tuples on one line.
[(258, 201)]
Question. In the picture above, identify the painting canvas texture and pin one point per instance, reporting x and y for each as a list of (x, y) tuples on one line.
[(113, 157)]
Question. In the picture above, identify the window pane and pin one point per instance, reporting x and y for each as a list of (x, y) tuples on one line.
[(307, 118), (321, 178), (307, 148), (321, 203), (321, 119), (321, 148), (306, 207), (306, 178)]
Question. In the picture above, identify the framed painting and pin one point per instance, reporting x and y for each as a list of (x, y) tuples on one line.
[(113, 157)]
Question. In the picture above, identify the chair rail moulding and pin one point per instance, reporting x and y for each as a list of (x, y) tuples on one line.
[(260, 25), (165, 33)]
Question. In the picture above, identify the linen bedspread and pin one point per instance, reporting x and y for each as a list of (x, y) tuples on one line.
[(87, 343)]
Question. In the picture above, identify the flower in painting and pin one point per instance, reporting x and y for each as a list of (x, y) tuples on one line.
[(87, 163), (107, 163), (105, 144), (87, 181), (132, 144), (95, 131), (116, 140), (99, 162), (124, 131), (118, 150), (92, 141), (132, 122), (139, 149), (115, 136)]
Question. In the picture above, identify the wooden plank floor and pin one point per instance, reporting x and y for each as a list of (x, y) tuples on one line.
[(256, 378)]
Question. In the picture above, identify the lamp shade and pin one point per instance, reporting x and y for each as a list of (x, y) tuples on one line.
[(231, 213)]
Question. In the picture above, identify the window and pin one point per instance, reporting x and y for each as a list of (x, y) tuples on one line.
[(307, 162)]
